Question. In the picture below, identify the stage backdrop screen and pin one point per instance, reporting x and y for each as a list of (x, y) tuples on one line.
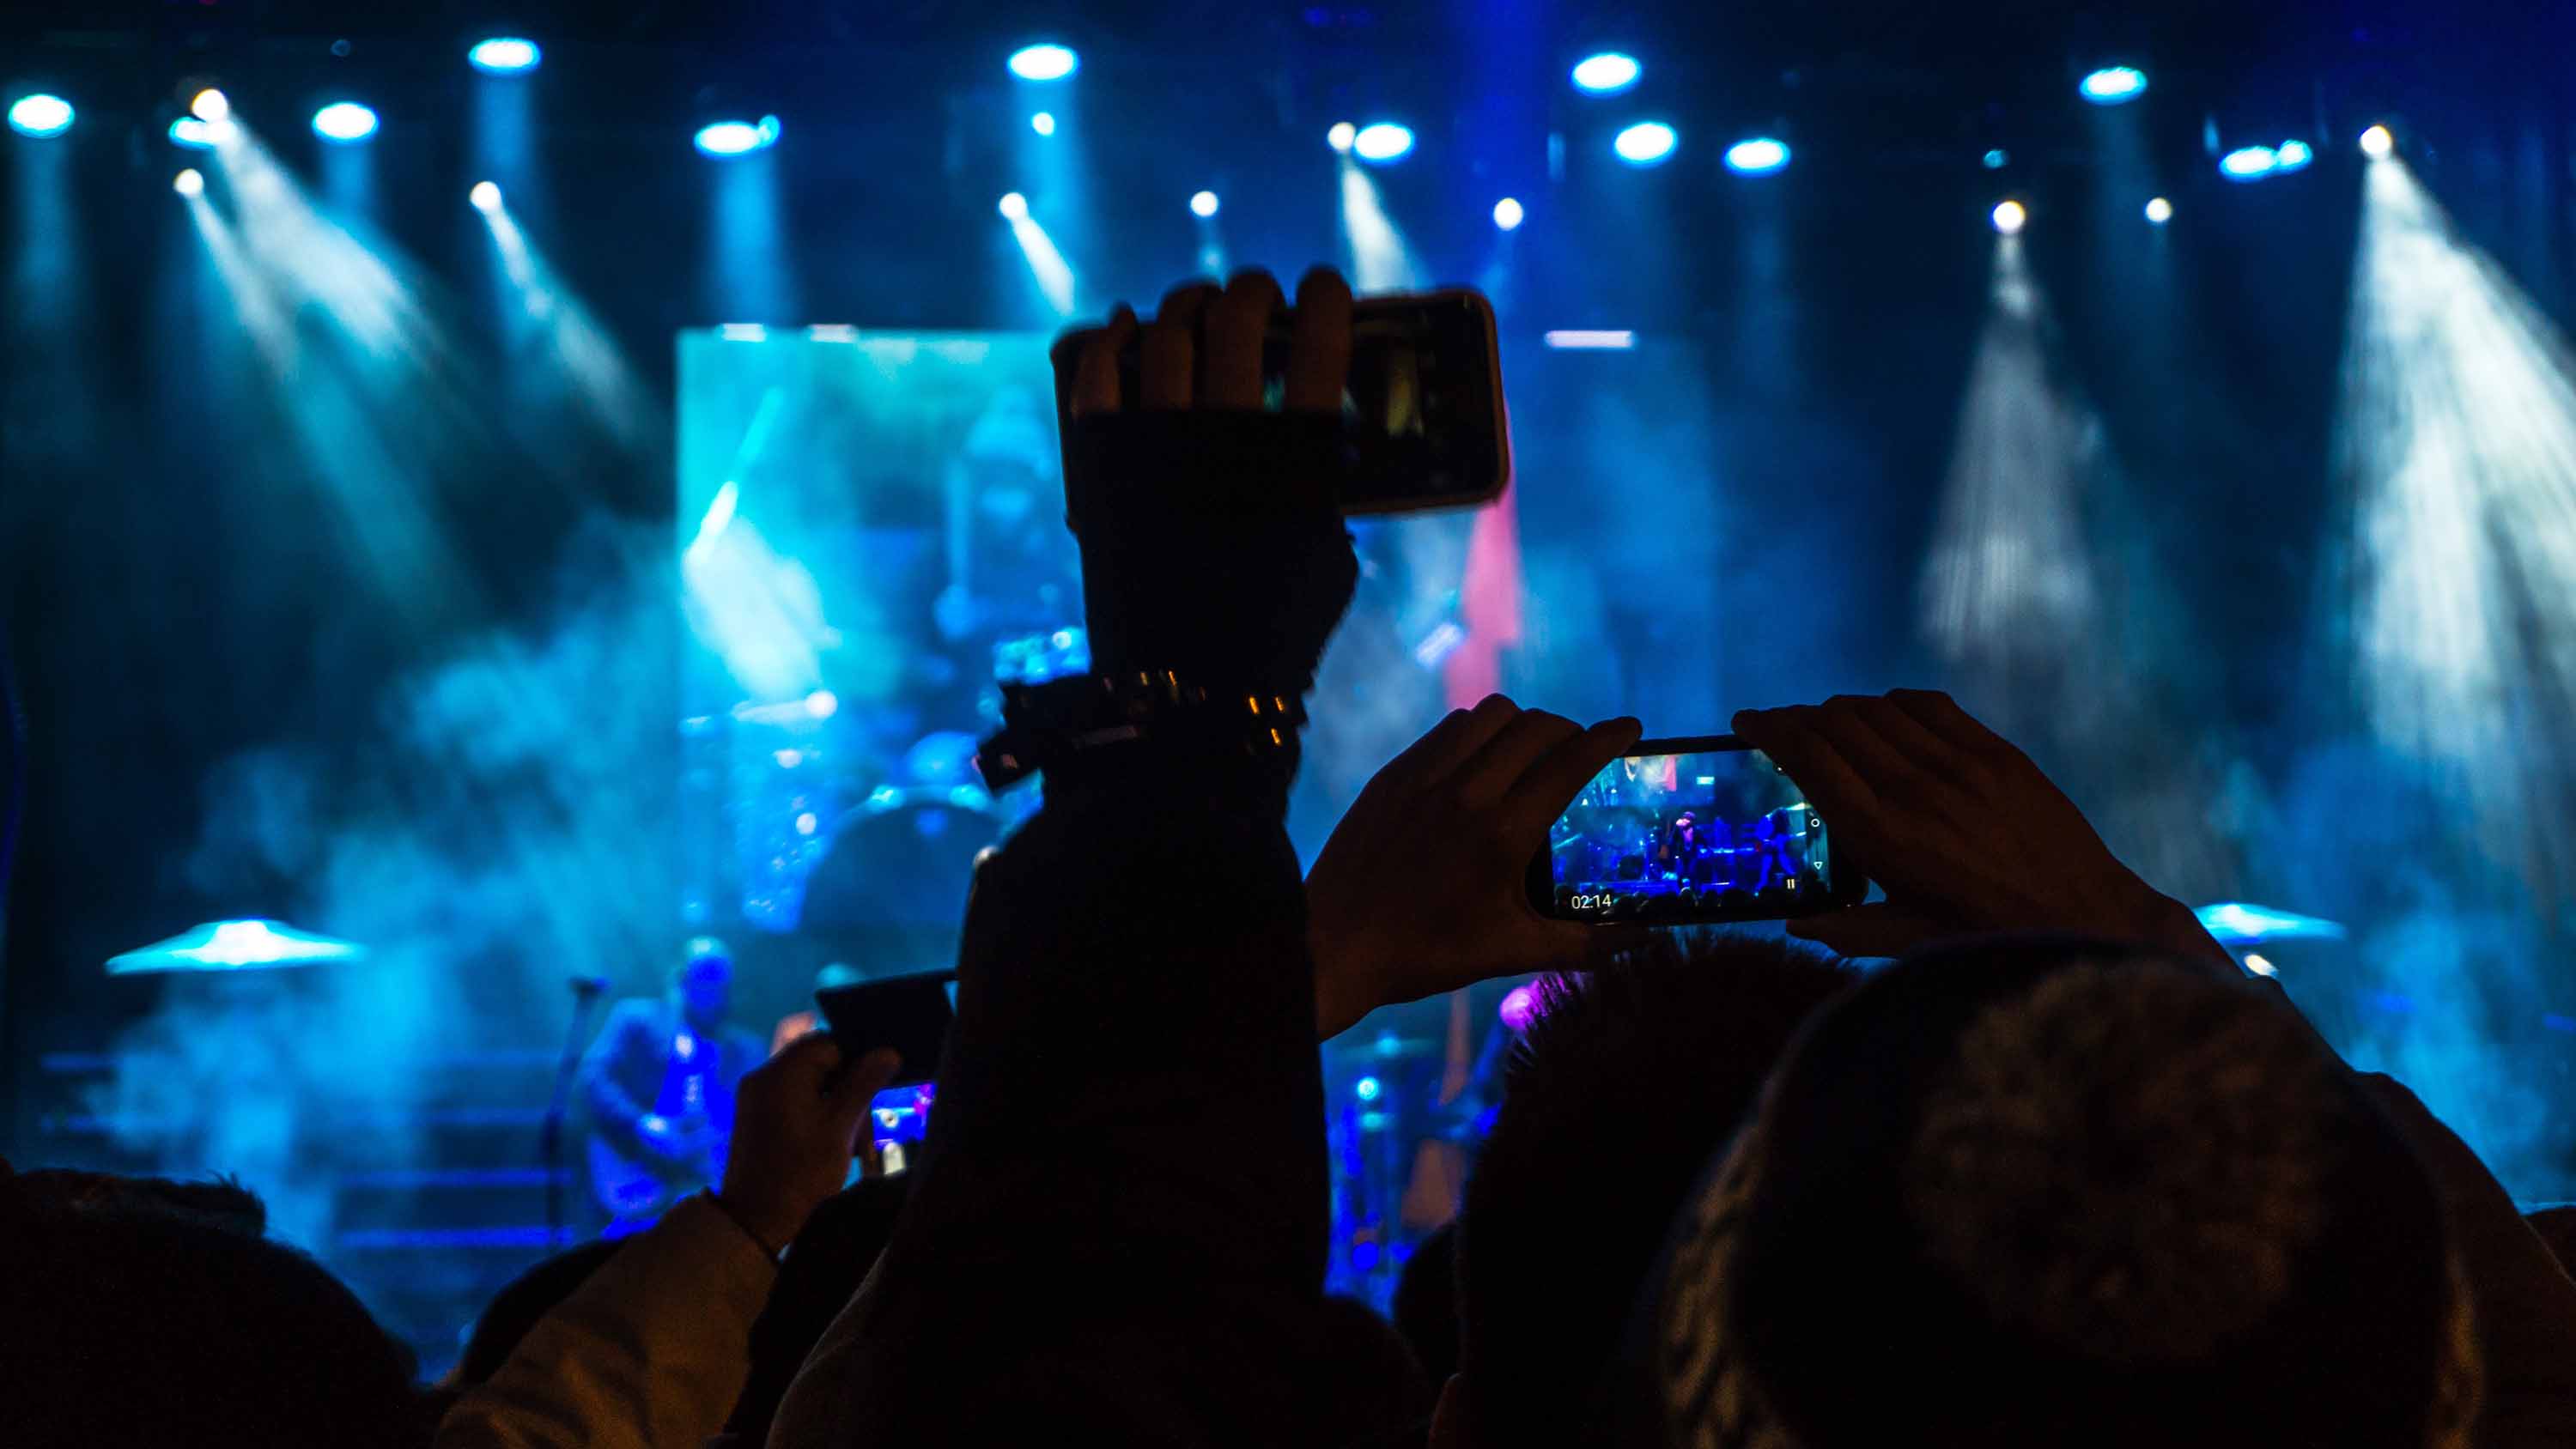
[(871, 528)]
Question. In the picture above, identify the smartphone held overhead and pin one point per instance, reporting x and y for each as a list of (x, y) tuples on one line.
[(1691, 831), (1423, 422)]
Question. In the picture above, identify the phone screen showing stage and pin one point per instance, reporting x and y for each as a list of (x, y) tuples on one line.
[(1704, 835)]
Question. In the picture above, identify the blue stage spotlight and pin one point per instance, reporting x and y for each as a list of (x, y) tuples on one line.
[(1645, 143), (40, 115), (188, 183), (2292, 156), (2248, 163), (194, 134), (2377, 142), (2159, 211), (345, 122), (1507, 214), (486, 196), (1204, 204), (1368, 1089), (1043, 123), (1997, 159), (1044, 62), (1383, 142), (1607, 73), (2114, 85), (1758, 156), (504, 55), (735, 138), (1341, 137), (2010, 217), (1014, 206)]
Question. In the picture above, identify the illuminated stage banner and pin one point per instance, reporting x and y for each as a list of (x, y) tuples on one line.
[(871, 529)]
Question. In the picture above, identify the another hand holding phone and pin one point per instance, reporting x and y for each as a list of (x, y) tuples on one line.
[(1420, 888), (1960, 828), (796, 1118)]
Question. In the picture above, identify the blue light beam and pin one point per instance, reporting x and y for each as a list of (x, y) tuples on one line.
[(575, 341), (1380, 260), (1053, 274), (2009, 583), (2457, 433)]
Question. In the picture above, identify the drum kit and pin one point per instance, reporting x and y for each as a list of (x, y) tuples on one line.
[(815, 800)]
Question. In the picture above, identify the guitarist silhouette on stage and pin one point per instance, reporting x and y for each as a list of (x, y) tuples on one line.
[(659, 1084)]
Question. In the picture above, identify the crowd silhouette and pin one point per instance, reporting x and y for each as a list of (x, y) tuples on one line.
[(2062, 1174)]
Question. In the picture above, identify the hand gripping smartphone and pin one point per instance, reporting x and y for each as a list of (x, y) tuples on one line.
[(1422, 411), (1691, 831), (908, 1013)]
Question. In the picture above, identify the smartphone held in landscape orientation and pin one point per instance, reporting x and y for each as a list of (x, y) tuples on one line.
[(1691, 831)]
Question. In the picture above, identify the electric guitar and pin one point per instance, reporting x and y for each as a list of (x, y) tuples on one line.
[(634, 1189)]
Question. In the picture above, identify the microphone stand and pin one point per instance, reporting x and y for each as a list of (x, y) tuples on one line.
[(585, 991)]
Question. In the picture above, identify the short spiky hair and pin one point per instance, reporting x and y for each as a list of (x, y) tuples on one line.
[(1628, 1080), (222, 1201)]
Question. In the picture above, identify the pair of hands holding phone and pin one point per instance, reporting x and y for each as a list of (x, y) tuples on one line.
[(1421, 888)]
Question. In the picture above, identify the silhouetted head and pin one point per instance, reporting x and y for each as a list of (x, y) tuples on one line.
[(1626, 1081), (221, 1201), (128, 1320), (2061, 1193)]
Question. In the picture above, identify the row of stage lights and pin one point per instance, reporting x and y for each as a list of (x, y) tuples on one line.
[(2011, 216), (1609, 73), (1379, 143)]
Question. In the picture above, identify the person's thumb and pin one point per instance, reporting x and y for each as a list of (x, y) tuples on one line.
[(1880, 929)]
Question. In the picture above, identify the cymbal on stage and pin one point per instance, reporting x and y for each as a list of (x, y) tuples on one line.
[(2235, 923), (235, 946)]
